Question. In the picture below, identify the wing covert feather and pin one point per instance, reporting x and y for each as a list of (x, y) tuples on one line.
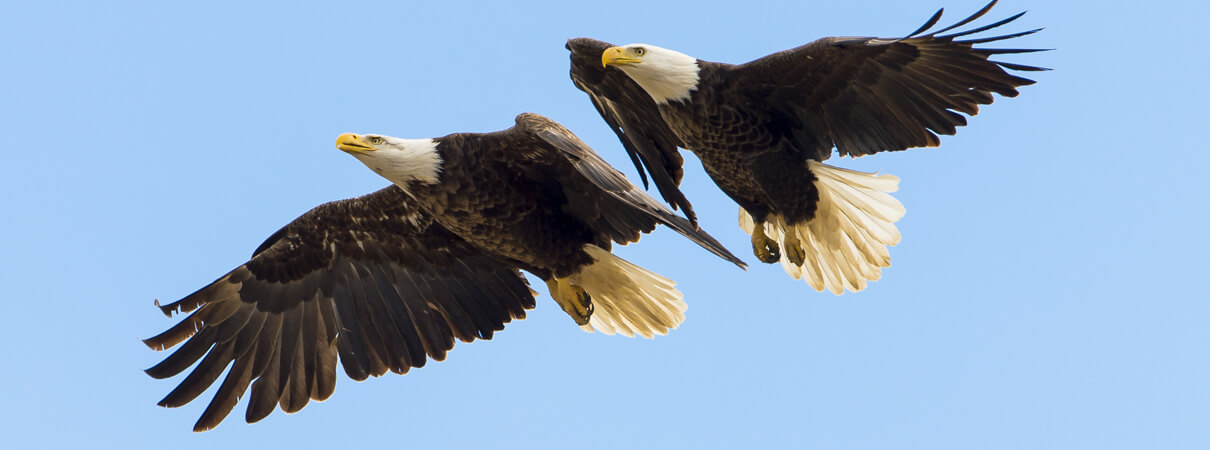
[(624, 210)]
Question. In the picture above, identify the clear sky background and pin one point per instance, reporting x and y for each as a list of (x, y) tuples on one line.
[(1049, 291)]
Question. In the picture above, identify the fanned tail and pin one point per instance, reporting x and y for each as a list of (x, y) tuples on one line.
[(846, 242), (628, 299)]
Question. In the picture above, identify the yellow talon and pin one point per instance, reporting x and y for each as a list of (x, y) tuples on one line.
[(793, 249), (764, 248), (574, 300)]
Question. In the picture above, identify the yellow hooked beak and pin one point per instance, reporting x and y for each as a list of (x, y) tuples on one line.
[(618, 56), (354, 143)]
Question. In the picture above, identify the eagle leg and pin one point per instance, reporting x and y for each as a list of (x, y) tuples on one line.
[(764, 248), (574, 300), (793, 249)]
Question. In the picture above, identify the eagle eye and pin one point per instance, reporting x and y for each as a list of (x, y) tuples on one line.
[(376, 140), (639, 51)]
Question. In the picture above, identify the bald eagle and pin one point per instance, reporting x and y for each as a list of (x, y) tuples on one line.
[(762, 129), (389, 279)]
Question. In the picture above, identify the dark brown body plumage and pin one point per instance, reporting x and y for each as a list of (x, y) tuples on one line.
[(507, 208), (749, 161)]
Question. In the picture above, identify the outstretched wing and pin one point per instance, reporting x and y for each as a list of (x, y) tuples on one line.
[(867, 95), (634, 117), (608, 200), (370, 279)]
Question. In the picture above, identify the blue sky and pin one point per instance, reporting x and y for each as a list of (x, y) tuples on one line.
[(1049, 291)]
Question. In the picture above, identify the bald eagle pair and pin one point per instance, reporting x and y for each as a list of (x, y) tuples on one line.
[(385, 281)]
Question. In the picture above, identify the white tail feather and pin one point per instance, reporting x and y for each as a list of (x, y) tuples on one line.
[(846, 242), (628, 299)]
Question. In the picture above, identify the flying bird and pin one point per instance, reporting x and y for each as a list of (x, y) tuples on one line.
[(384, 281), (762, 130)]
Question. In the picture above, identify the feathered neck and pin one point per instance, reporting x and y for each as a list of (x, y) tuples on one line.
[(406, 161), (666, 75)]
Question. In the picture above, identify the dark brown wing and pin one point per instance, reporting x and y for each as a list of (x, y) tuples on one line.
[(867, 95), (369, 279), (634, 117), (601, 195)]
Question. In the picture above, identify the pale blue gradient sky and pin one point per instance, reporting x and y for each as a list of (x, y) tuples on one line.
[(1049, 291)]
